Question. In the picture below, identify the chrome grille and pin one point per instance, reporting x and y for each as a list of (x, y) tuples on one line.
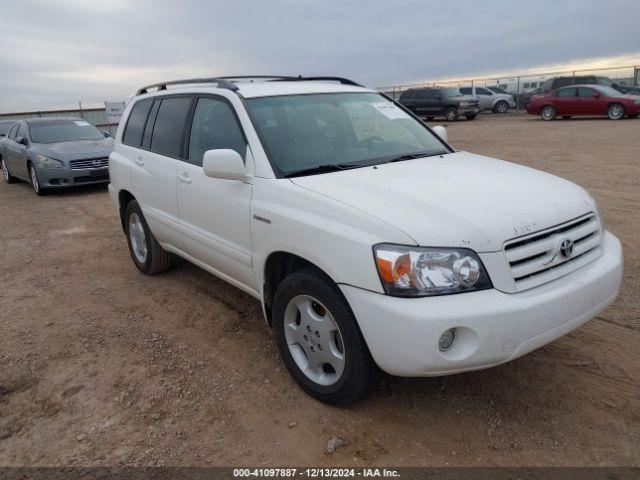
[(537, 258), (88, 163)]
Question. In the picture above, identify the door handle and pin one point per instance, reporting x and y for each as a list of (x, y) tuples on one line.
[(138, 160), (184, 178)]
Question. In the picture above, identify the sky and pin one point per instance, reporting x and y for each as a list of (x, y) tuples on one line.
[(56, 53)]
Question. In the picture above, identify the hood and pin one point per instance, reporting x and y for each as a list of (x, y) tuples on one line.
[(74, 150), (456, 200)]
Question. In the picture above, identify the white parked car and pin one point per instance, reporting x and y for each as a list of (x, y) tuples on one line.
[(370, 242), (489, 100)]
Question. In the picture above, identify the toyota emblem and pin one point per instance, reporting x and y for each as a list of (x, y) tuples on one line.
[(566, 248)]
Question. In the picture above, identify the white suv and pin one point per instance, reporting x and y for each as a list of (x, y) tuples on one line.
[(368, 240)]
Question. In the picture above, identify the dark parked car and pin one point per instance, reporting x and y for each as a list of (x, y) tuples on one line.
[(55, 153), (559, 82), (628, 89), (585, 100), (5, 125), (433, 102)]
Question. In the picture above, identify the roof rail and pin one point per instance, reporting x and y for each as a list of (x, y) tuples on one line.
[(228, 82), (300, 78), (221, 82)]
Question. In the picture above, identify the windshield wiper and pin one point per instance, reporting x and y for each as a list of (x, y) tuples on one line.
[(324, 168), (413, 156)]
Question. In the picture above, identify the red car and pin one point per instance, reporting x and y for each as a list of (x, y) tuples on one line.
[(584, 100)]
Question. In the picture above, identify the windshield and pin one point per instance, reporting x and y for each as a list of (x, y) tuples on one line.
[(63, 130), (301, 132), (608, 91)]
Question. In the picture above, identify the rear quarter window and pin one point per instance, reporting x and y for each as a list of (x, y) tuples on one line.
[(135, 124)]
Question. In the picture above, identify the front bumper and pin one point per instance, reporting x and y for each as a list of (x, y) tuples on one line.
[(67, 177), (492, 327)]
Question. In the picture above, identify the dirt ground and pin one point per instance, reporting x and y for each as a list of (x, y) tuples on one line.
[(100, 365)]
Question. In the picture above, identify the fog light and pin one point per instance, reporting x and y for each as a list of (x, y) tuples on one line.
[(447, 339)]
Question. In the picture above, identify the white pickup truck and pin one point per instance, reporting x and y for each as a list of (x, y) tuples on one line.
[(369, 241)]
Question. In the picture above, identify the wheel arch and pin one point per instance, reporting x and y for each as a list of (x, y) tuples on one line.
[(124, 198), (278, 266)]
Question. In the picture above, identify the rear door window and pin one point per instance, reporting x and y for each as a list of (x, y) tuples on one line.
[(566, 92), (586, 92), (421, 95), (135, 124), (465, 91), (169, 126)]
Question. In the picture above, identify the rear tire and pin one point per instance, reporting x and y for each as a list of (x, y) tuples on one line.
[(615, 111), (147, 254), (470, 116), (451, 114), (429, 119), (548, 113), (319, 339), (501, 107), (8, 178)]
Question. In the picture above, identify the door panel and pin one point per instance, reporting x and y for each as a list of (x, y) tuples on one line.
[(587, 104), (215, 222), (215, 213), (566, 101), (154, 179)]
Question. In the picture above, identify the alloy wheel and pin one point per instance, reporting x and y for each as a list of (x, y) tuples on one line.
[(138, 238), (34, 179), (616, 111), (314, 340)]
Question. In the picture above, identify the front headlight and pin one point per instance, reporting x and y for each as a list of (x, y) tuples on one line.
[(419, 272), (46, 162)]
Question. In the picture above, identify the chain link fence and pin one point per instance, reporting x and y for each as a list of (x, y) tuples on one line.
[(524, 85)]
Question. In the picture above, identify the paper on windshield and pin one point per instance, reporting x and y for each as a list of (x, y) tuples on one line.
[(81, 123), (390, 110)]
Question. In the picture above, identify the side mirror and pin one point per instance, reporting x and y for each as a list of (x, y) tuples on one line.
[(224, 163), (22, 141), (596, 95), (440, 131), (106, 134)]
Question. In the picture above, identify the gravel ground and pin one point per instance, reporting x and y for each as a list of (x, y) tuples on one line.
[(100, 365)]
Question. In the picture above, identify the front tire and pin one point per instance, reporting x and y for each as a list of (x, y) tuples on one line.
[(548, 113), (33, 177), (501, 107), (147, 254), (451, 114), (319, 339), (615, 111), (8, 178)]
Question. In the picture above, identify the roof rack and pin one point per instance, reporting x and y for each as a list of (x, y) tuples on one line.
[(221, 82), (300, 78), (229, 82)]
